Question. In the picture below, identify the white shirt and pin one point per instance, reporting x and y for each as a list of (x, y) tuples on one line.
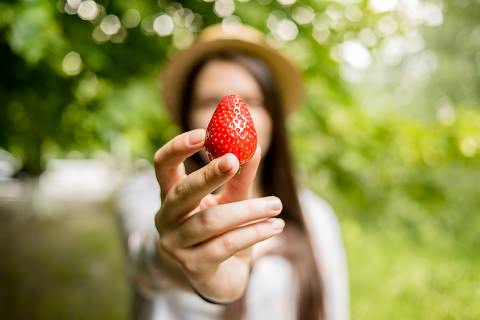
[(269, 293)]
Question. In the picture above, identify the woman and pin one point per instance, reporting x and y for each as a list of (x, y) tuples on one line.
[(230, 244)]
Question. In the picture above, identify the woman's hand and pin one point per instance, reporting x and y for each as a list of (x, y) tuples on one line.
[(210, 236)]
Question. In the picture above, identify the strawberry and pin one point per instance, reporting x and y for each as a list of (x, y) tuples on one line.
[(231, 130)]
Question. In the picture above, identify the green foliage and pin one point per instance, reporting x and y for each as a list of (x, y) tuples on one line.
[(61, 74), (405, 187), (407, 192), (368, 158)]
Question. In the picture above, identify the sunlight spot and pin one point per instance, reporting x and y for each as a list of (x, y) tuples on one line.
[(353, 13), (321, 36), (110, 24), (182, 38), (468, 146), (88, 10), (99, 36), (74, 4), (446, 114), (72, 63), (432, 14), (120, 36), (383, 5), (163, 25), (303, 15), (224, 8), (231, 24), (367, 37), (131, 18), (387, 25), (355, 54), (287, 30), (286, 2)]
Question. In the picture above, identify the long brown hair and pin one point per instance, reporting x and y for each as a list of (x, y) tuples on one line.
[(276, 179)]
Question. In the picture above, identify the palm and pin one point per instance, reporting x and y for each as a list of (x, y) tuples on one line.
[(214, 255), (233, 272)]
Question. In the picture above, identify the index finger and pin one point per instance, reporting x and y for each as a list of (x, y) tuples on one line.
[(168, 160)]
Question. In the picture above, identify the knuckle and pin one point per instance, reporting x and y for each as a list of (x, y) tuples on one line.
[(228, 244), (189, 265), (177, 144), (207, 175), (257, 233), (205, 220), (161, 152), (165, 246), (180, 191), (162, 224)]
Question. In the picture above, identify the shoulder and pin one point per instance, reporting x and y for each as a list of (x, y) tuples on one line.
[(323, 226), (325, 233), (318, 213)]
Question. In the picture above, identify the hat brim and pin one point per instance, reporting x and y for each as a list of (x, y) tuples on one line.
[(286, 75)]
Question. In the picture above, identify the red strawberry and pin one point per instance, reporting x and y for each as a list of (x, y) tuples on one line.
[(231, 130)]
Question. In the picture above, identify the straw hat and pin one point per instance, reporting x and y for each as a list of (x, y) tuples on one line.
[(241, 38)]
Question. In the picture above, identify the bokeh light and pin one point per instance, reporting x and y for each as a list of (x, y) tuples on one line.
[(303, 15), (286, 30), (231, 24), (383, 5), (99, 36), (468, 146), (355, 54), (72, 63), (88, 10), (182, 38), (286, 2), (163, 25), (110, 24), (131, 18), (224, 8)]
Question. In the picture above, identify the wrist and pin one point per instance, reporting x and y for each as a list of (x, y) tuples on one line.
[(217, 292), (170, 267), (212, 301)]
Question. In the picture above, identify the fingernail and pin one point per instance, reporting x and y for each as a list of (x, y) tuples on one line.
[(278, 224), (196, 137), (226, 163), (273, 204)]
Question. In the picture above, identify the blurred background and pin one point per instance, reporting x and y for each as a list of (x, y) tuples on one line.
[(389, 134)]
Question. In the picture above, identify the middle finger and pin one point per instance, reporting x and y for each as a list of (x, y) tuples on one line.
[(220, 219)]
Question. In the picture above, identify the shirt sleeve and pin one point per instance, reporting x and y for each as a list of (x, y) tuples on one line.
[(136, 206), (330, 254)]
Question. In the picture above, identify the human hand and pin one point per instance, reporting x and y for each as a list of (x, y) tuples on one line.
[(210, 236)]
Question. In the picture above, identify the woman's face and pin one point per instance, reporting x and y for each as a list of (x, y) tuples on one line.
[(219, 78)]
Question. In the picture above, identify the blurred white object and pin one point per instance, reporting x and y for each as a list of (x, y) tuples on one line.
[(8, 165), (77, 181)]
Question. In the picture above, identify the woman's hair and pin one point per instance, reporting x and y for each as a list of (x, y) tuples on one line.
[(276, 179)]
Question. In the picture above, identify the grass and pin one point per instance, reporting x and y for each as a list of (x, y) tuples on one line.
[(67, 268), (395, 275), (71, 267)]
